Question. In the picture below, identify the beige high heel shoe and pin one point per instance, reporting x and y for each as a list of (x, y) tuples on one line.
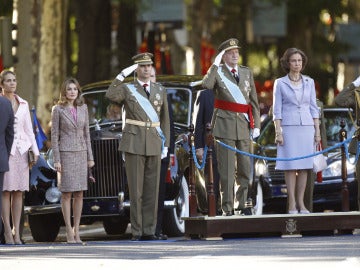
[(9, 239), (77, 237), (70, 236)]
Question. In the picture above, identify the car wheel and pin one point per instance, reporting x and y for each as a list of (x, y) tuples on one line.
[(45, 228), (115, 225), (173, 225), (258, 208)]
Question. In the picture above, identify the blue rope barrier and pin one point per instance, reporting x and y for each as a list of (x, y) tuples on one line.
[(202, 166), (301, 157), (343, 143)]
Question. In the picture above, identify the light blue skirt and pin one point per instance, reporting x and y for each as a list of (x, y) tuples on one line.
[(298, 142)]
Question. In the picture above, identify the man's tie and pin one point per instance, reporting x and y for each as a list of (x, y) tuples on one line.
[(233, 71), (146, 91)]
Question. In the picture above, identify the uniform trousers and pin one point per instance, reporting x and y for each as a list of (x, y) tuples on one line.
[(143, 176), (358, 182), (234, 173)]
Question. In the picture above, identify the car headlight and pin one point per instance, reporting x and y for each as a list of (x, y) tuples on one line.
[(261, 168), (334, 168), (50, 158), (53, 195)]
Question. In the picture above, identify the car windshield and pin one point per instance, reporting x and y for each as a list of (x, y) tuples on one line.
[(180, 99), (101, 110), (332, 118)]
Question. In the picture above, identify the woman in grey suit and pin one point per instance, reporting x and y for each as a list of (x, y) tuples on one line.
[(296, 119), (70, 140)]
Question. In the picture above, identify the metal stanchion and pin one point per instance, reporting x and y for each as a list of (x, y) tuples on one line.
[(344, 186), (192, 180), (210, 174)]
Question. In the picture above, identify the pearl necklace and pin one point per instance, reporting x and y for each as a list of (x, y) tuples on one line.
[(293, 79)]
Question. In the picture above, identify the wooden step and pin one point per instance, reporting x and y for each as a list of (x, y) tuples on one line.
[(205, 227)]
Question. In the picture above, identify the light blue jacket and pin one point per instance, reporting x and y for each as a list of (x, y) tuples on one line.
[(286, 106)]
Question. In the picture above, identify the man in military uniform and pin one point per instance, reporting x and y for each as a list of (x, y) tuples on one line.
[(145, 140), (349, 97), (236, 120)]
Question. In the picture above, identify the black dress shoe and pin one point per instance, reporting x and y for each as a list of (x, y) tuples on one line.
[(244, 212), (136, 238), (161, 236), (247, 211), (149, 237)]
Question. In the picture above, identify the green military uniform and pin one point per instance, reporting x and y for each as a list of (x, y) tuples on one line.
[(346, 98), (142, 145), (308, 195), (233, 129)]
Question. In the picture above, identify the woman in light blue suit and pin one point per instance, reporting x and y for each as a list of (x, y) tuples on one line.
[(296, 119)]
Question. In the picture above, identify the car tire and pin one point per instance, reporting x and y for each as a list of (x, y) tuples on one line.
[(259, 205), (45, 228), (115, 225), (173, 225)]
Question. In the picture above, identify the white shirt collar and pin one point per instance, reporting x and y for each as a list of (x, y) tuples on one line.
[(142, 83), (230, 68)]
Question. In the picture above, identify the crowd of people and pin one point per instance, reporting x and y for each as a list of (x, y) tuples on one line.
[(229, 102)]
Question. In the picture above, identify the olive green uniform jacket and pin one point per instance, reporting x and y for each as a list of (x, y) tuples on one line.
[(346, 98), (233, 129), (142, 148)]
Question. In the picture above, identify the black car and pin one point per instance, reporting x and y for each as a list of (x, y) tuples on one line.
[(107, 199), (270, 191)]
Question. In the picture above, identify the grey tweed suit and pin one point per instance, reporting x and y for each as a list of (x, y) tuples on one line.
[(70, 141)]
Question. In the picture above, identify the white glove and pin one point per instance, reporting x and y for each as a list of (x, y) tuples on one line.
[(218, 58), (255, 133), (126, 72), (357, 82), (164, 152)]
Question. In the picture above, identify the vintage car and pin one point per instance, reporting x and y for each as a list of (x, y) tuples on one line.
[(107, 199), (270, 188)]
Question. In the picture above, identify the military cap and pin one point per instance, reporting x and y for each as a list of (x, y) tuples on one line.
[(229, 44), (143, 58)]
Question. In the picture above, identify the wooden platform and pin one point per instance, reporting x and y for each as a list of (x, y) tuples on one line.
[(205, 227)]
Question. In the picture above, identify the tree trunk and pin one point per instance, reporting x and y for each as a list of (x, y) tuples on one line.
[(126, 34), (27, 50), (94, 30), (52, 64)]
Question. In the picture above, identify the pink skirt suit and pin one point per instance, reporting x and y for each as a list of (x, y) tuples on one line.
[(17, 178)]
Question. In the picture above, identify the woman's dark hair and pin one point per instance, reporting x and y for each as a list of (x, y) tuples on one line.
[(284, 60), (63, 100)]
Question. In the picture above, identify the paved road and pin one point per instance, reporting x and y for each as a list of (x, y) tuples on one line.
[(102, 252)]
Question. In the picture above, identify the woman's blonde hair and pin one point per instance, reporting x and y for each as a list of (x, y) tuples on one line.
[(3, 74)]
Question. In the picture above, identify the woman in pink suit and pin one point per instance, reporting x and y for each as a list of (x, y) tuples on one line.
[(16, 180), (70, 140), (296, 119)]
